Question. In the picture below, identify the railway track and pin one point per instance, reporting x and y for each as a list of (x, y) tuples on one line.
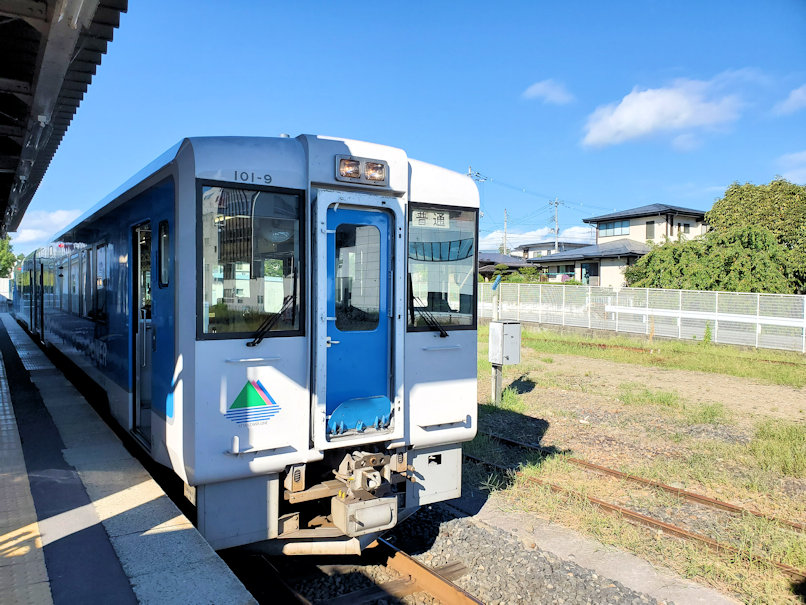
[(676, 491), (414, 577), (270, 583), (634, 517)]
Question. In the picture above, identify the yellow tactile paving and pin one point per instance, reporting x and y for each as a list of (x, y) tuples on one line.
[(23, 576)]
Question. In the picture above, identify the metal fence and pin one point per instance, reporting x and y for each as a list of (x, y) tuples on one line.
[(771, 321)]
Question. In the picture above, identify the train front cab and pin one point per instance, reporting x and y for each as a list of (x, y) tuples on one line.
[(327, 404)]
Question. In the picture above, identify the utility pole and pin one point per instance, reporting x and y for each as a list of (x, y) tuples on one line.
[(506, 216), (556, 203)]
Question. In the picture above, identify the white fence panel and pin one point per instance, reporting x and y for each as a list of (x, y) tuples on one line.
[(775, 321), (577, 306)]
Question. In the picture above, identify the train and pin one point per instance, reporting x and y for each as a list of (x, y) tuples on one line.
[(287, 323)]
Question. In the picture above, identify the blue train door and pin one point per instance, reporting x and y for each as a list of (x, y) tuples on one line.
[(358, 320), (153, 321), (143, 333)]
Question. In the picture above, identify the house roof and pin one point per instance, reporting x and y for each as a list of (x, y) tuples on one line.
[(494, 258), (620, 247), (649, 210), (550, 243)]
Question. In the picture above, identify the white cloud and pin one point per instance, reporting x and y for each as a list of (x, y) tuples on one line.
[(550, 91), (492, 241), (38, 226), (794, 102), (794, 165), (683, 107), (686, 142)]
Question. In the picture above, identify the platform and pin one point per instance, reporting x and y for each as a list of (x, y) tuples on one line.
[(81, 521)]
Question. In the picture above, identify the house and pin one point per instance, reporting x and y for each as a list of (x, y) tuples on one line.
[(489, 260), (545, 248), (652, 223), (622, 238)]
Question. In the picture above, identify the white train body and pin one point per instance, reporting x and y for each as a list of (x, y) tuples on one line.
[(346, 415)]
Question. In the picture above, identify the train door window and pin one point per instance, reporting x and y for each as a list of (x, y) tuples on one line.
[(251, 248), (442, 267), (357, 277), (75, 281), (101, 281), (163, 253)]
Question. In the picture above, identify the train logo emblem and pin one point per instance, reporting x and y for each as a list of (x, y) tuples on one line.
[(253, 404)]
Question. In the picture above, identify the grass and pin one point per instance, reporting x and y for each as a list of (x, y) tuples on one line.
[(758, 464), (744, 574), (632, 394), (511, 401), (754, 581), (691, 413), (780, 446), (775, 367)]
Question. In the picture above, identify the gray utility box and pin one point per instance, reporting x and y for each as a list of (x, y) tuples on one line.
[(505, 343)]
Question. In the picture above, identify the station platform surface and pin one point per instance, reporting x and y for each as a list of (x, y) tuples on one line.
[(81, 521)]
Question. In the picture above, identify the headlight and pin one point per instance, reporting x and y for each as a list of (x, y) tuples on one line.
[(362, 171), (349, 168), (375, 171)]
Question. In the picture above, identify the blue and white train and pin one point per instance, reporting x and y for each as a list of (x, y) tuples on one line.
[(287, 323)]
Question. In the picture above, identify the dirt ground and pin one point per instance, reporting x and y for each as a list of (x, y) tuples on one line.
[(740, 395)]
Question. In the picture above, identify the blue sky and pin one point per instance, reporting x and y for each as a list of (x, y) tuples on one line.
[(603, 105)]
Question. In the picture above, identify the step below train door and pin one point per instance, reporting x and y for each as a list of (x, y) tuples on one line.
[(356, 404)]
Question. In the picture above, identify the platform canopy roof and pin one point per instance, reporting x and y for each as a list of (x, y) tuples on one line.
[(49, 51)]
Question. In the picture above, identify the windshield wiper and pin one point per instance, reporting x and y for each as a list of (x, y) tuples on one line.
[(270, 321), (428, 317)]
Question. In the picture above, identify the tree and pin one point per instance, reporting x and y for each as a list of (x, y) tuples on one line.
[(7, 257), (779, 206), (738, 259)]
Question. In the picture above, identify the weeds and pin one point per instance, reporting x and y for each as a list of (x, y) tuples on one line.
[(706, 413), (691, 413), (780, 446), (777, 367), (511, 401), (630, 396)]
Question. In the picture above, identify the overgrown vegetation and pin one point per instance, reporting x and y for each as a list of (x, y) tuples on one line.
[(781, 447), (656, 433), (757, 243)]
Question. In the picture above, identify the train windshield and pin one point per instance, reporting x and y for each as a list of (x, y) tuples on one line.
[(442, 266), (251, 261)]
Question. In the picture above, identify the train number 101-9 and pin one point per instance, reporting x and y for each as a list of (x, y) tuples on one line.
[(251, 177)]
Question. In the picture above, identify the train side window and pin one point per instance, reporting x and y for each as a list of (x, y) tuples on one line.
[(251, 261), (442, 267), (86, 283), (74, 284), (101, 281), (163, 252)]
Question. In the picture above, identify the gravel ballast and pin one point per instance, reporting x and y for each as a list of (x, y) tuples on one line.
[(502, 568)]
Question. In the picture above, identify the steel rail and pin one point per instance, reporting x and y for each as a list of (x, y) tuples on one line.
[(428, 579), (638, 518), (679, 492)]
